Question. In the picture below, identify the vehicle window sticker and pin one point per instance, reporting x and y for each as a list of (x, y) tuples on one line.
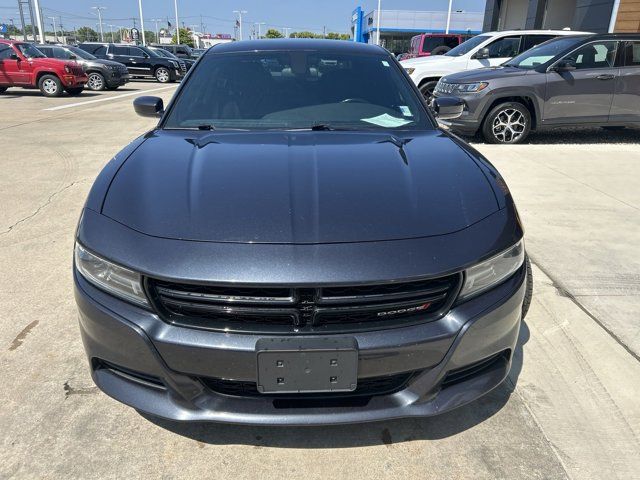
[(405, 111), (385, 63), (387, 121)]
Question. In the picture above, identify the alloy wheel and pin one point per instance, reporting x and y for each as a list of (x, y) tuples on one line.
[(162, 75), (509, 125), (50, 86), (95, 82)]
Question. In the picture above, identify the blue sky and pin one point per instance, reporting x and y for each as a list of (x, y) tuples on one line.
[(218, 14)]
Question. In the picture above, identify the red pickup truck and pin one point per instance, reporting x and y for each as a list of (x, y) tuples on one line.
[(428, 44), (23, 65)]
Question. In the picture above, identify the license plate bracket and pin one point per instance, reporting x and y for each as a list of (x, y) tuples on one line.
[(307, 365)]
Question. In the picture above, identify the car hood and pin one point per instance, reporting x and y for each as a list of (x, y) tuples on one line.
[(430, 60), (99, 61), (484, 74), (52, 62), (298, 187)]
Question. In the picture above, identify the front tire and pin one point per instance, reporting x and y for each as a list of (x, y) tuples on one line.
[(163, 75), (427, 88), (3, 89), (507, 123), (50, 86), (96, 82)]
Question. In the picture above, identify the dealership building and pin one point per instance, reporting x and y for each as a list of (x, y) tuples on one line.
[(598, 16), (398, 26)]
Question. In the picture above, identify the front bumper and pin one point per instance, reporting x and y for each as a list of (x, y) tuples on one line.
[(475, 108), (162, 369), (117, 79)]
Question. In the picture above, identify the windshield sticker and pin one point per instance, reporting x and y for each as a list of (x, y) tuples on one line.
[(385, 63), (405, 111), (386, 120)]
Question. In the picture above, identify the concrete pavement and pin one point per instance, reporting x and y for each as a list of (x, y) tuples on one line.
[(570, 408)]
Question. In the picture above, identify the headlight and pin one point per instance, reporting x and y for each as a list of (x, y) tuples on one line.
[(485, 275), (410, 70), (175, 64), (470, 87), (116, 280)]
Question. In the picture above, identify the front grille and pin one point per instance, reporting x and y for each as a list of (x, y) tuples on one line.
[(76, 70), (303, 310), (183, 66), (372, 386), (445, 88)]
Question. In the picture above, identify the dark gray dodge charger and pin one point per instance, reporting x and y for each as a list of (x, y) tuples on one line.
[(296, 242)]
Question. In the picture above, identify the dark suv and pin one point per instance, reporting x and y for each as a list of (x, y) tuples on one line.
[(140, 61), (587, 80), (296, 242), (102, 74)]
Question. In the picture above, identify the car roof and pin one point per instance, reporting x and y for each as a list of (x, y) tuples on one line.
[(296, 44), (536, 32)]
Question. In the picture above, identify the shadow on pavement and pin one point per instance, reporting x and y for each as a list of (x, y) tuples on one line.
[(19, 92), (366, 434), (578, 136)]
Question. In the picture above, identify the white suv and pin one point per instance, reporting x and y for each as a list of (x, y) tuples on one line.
[(485, 50)]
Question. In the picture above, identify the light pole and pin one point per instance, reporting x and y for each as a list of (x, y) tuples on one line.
[(285, 31), (99, 10), (259, 25), (449, 17), (156, 20), (55, 30), (378, 22), (36, 6), (175, 6), (111, 28), (240, 12), (144, 41)]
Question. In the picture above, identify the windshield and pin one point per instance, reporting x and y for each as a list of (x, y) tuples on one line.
[(149, 51), (299, 89), (467, 46), (542, 53), (78, 52), (163, 53), (29, 51)]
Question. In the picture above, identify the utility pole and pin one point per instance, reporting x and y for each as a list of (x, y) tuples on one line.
[(99, 10), (240, 12), (175, 6), (201, 25), (285, 31), (449, 17), (259, 25), (378, 22), (55, 30), (36, 5), (24, 30), (111, 27), (324, 32), (144, 41), (156, 20)]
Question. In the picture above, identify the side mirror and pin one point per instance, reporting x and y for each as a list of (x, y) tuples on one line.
[(566, 65), (447, 108), (14, 56), (147, 106), (73, 56), (482, 54)]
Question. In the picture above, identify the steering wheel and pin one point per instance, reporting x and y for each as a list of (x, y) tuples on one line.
[(354, 100)]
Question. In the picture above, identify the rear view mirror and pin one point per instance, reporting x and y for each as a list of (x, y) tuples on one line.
[(482, 54), (147, 106), (448, 108), (565, 65)]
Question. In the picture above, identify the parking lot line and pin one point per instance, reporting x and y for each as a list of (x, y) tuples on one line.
[(104, 99)]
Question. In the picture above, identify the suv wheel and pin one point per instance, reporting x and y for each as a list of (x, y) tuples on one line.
[(96, 81), (508, 122), (3, 89), (163, 75), (50, 86), (426, 89)]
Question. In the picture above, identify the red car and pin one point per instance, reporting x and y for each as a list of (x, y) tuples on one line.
[(23, 65), (428, 44)]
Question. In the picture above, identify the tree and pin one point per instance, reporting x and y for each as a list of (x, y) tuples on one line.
[(86, 34), (304, 34), (273, 33), (150, 36), (185, 37)]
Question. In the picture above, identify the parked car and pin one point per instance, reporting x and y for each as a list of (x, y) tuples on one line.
[(298, 249), (140, 61), (102, 74), (185, 64), (487, 50), (427, 44), (23, 65), (180, 51), (570, 81)]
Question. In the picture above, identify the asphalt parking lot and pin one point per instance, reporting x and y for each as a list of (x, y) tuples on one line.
[(570, 408)]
